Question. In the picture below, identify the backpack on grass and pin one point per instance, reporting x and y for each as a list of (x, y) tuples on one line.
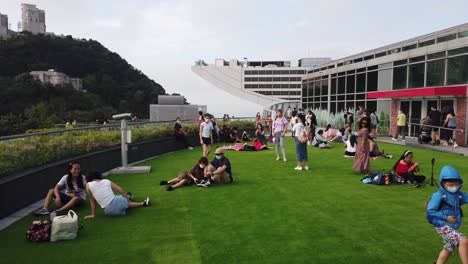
[(442, 202), (39, 231)]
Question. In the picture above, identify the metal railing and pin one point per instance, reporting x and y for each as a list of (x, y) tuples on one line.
[(18, 152), (428, 129)]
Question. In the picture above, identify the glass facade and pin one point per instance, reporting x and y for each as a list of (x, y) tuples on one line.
[(348, 89)]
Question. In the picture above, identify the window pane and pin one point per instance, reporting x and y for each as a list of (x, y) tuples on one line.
[(324, 106), (360, 96), (399, 78), (436, 55), (324, 87), (350, 84), (416, 59), (446, 38), (341, 85), (435, 73), (457, 70), (372, 80), (409, 47), (427, 43), (400, 62), (381, 54), (416, 75), (458, 51), (463, 34), (361, 83), (333, 86), (333, 108), (371, 105)]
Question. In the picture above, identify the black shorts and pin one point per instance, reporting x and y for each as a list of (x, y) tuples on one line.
[(64, 198), (206, 141)]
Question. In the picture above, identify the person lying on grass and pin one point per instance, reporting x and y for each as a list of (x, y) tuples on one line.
[(444, 213), (405, 167), (101, 190), (68, 192), (187, 177), (218, 171)]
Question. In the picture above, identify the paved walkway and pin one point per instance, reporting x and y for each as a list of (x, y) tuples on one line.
[(413, 143)]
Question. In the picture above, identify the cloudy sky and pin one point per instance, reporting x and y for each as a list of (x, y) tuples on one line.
[(164, 38)]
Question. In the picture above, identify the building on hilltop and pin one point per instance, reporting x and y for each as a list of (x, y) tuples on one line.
[(3, 27), (57, 78), (33, 19), (271, 84)]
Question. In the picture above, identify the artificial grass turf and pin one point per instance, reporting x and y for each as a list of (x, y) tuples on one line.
[(270, 214)]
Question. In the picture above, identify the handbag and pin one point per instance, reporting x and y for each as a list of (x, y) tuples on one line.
[(64, 227)]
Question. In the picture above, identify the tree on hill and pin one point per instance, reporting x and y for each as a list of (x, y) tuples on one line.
[(104, 73)]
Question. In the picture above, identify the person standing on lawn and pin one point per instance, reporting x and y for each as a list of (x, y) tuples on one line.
[(280, 127), (444, 213), (361, 158), (206, 135), (301, 137)]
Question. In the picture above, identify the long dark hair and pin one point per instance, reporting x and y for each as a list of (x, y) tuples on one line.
[(328, 127), (93, 176), (367, 121), (403, 156), (79, 180), (352, 140)]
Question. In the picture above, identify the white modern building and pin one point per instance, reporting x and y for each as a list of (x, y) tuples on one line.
[(57, 78), (33, 19), (271, 84), (3, 27), (412, 75)]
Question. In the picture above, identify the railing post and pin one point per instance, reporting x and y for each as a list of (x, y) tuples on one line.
[(124, 146)]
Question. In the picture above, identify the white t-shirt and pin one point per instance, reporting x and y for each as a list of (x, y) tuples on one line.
[(102, 192), (350, 148), (206, 129), (76, 191), (297, 129)]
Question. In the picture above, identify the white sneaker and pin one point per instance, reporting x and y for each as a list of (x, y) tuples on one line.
[(455, 145), (445, 144), (306, 168), (403, 141), (298, 168), (394, 139), (189, 148), (284, 159), (53, 215)]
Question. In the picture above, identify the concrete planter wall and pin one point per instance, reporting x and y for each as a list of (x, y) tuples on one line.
[(21, 189)]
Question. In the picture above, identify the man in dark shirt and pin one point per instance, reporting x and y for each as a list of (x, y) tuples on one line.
[(219, 170), (434, 115)]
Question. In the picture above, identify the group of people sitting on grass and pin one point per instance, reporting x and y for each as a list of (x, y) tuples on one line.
[(204, 173), (71, 191)]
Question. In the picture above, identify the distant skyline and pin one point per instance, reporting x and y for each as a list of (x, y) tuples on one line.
[(164, 38)]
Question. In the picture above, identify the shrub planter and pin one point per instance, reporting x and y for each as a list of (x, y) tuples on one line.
[(23, 188)]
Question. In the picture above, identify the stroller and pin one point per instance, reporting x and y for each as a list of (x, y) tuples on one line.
[(425, 133)]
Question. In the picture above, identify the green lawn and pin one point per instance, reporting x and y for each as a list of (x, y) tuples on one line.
[(270, 214)]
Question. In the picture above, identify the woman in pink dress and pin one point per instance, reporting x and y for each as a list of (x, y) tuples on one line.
[(362, 158)]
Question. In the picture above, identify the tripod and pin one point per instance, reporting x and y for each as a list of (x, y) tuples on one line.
[(432, 181)]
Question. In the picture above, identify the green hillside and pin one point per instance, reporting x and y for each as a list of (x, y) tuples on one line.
[(113, 84)]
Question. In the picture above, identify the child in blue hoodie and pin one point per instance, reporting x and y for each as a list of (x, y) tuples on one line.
[(444, 213)]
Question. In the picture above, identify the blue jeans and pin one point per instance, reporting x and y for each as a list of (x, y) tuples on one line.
[(301, 151)]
